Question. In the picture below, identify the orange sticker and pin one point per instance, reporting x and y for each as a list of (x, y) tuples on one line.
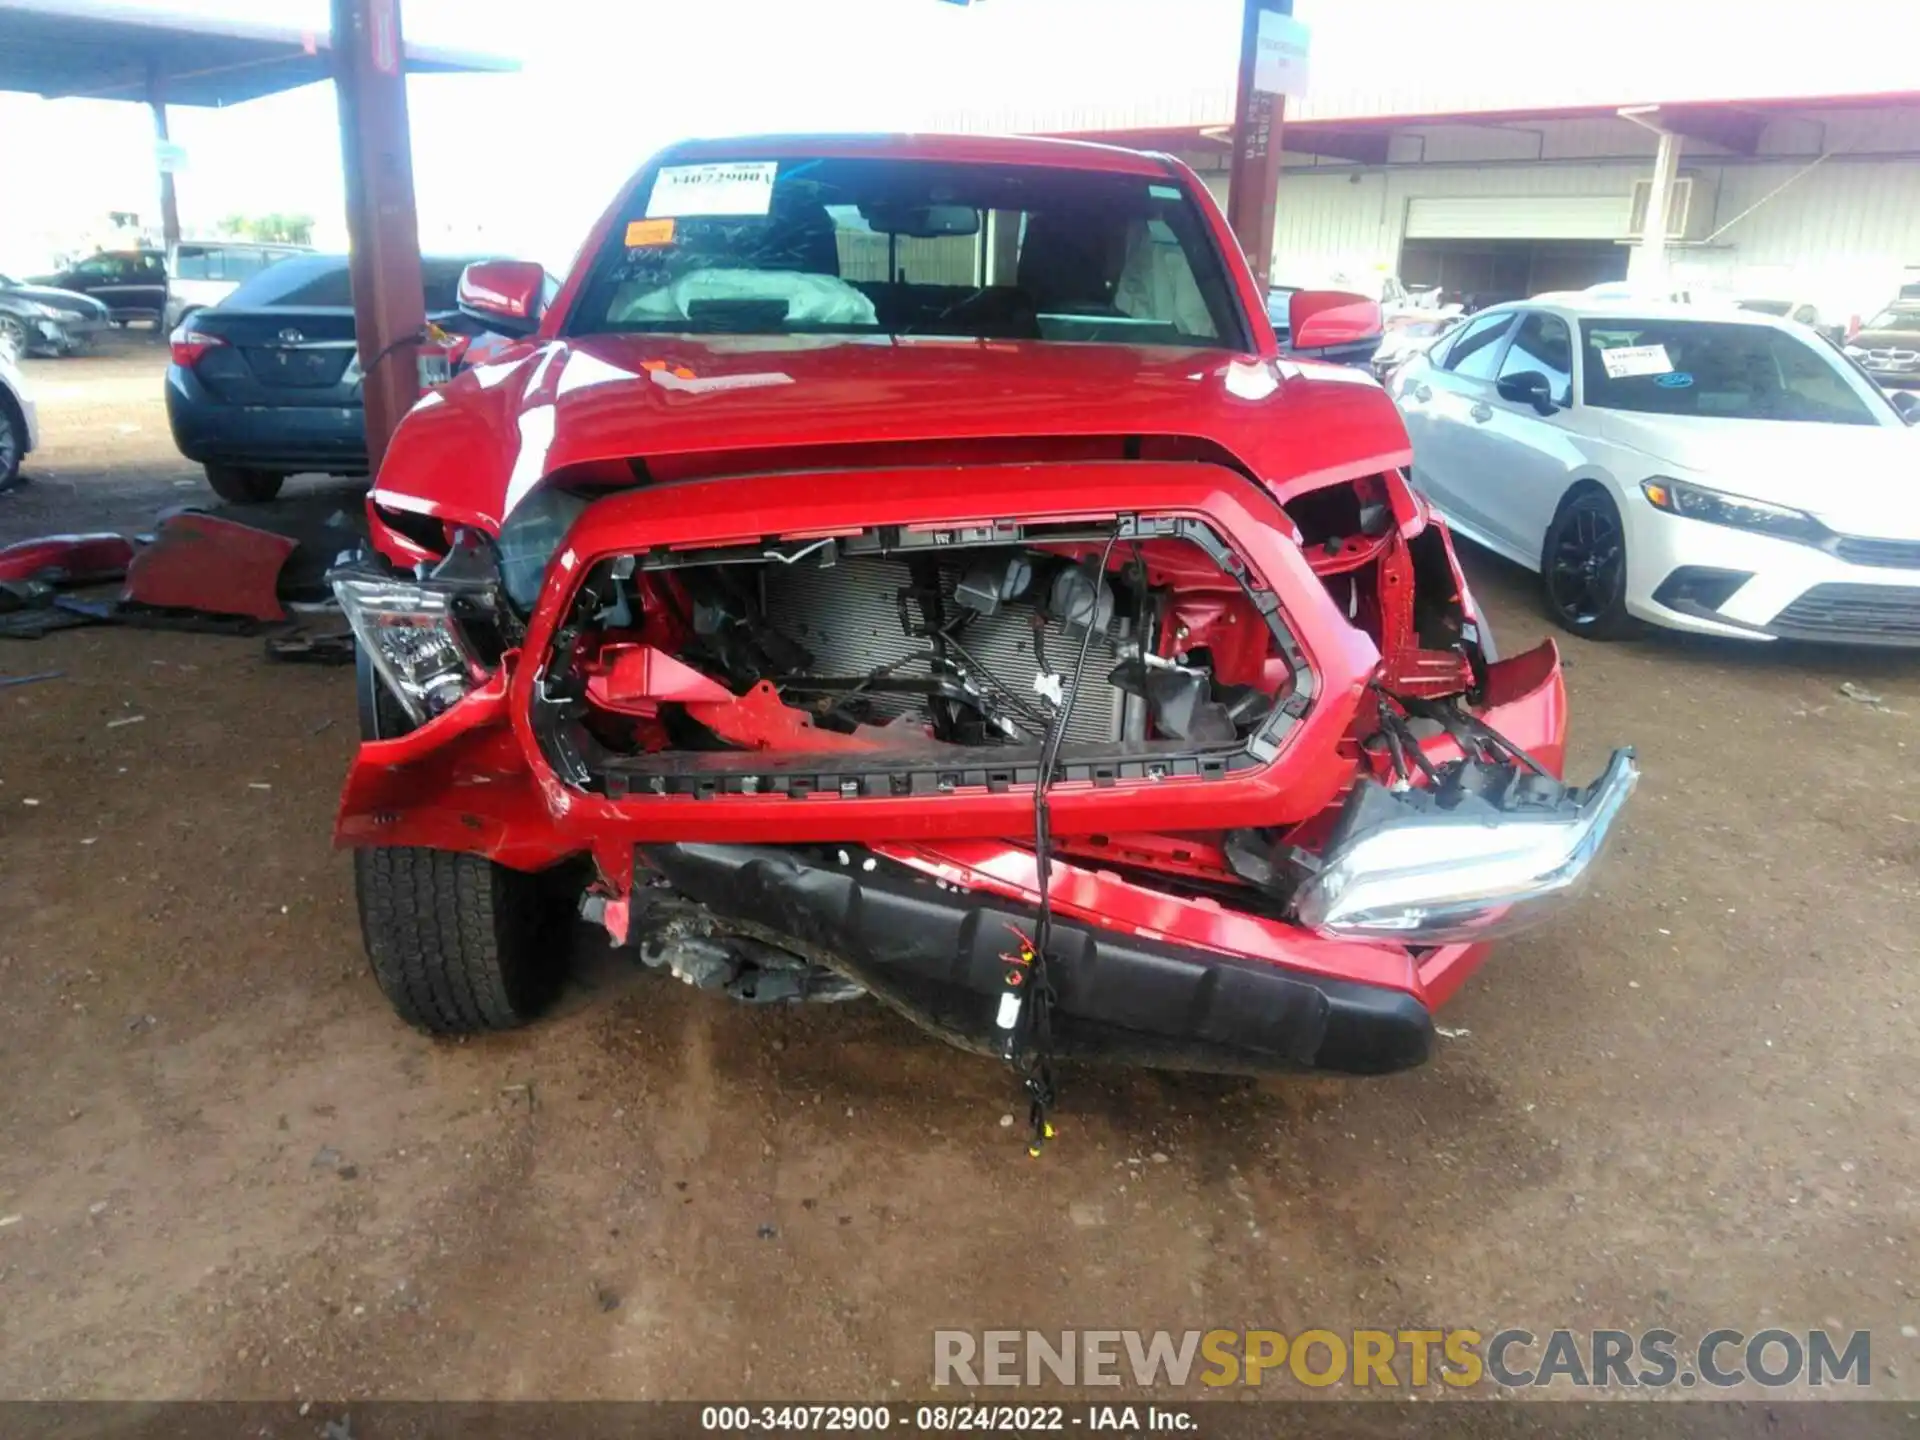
[(649, 232)]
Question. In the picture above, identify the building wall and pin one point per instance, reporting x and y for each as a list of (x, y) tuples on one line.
[(1840, 233)]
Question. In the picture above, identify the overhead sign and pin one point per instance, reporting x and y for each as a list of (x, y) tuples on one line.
[(1280, 61)]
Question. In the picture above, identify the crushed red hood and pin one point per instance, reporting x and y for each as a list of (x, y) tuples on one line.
[(471, 451)]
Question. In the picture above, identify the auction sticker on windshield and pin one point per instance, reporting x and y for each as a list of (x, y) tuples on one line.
[(731, 189), (1625, 361)]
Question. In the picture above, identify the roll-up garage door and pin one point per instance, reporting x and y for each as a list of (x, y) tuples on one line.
[(1518, 217)]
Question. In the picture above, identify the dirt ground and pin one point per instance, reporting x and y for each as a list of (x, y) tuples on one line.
[(226, 1170)]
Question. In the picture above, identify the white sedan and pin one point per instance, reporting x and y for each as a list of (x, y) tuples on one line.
[(19, 427), (1731, 475)]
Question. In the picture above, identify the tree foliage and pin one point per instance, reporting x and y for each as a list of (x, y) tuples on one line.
[(275, 227)]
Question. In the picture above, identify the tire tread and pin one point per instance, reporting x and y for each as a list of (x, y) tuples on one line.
[(454, 940)]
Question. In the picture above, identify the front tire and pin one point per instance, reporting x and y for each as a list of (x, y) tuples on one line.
[(242, 486), (1583, 568), (459, 945)]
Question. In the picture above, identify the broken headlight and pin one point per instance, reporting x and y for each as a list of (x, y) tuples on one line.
[(1421, 868), (409, 631), (527, 541)]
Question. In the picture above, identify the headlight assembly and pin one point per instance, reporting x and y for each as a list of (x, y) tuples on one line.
[(409, 631), (1695, 502)]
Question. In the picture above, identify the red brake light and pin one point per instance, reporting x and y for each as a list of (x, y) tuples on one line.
[(188, 345)]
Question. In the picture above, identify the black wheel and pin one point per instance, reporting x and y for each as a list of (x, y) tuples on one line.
[(459, 945), (13, 336), (1583, 568), (244, 487), (13, 440)]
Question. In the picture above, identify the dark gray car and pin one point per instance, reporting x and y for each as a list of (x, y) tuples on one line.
[(41, 320)]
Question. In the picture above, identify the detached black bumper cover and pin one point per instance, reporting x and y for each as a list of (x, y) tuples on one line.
[(936, 953)]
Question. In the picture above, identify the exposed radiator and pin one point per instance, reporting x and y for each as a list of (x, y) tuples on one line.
[(848, 616)]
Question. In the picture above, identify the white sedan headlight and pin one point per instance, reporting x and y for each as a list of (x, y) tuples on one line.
[(1696, 502)]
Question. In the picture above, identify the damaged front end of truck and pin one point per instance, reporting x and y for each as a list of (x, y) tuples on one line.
[(1076, 696), (798, 731)]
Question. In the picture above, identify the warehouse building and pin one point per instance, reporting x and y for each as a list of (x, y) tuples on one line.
[(1502, 189)]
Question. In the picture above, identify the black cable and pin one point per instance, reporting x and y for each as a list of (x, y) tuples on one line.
[(418, 337), (1039, 1067), (1394, 748)]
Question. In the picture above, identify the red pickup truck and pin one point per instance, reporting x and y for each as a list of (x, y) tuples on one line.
[(907, 566)]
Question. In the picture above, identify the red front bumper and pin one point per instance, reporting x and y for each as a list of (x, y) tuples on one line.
[(467, 781), (476, 778)]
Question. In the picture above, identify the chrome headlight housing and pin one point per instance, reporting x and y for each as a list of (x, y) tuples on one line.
[(409, 631), (1716, 507), (1405, 870)]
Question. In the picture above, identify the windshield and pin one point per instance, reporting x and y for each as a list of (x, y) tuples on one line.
[(893, 247), (1725, 371), (1895, 320)]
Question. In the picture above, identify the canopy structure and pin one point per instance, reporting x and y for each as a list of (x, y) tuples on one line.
[(109, 50), (112, 50)]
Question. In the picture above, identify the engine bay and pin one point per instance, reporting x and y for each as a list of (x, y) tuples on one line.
[(1143, 639)]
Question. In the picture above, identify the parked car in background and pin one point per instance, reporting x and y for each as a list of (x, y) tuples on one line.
[(205, 272), (1887, 347), (19, 426), (42, 320), (132, 284), (1726, 474), (1801, 312), (1410, 335), (266, 384), (777, 580)]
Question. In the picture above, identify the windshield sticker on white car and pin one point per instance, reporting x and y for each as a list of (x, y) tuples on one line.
[(733, 189), (1626, 361)]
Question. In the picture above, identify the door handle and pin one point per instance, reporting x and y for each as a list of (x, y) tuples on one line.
[(1481, 412)]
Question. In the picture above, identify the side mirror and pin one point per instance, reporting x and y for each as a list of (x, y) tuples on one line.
[(1529, 387), (504, 295), (1328, 323), (1907, 402)]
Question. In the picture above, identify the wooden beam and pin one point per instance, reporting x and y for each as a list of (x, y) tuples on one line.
[(1253, 175), (169, 202), (376, 151)]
